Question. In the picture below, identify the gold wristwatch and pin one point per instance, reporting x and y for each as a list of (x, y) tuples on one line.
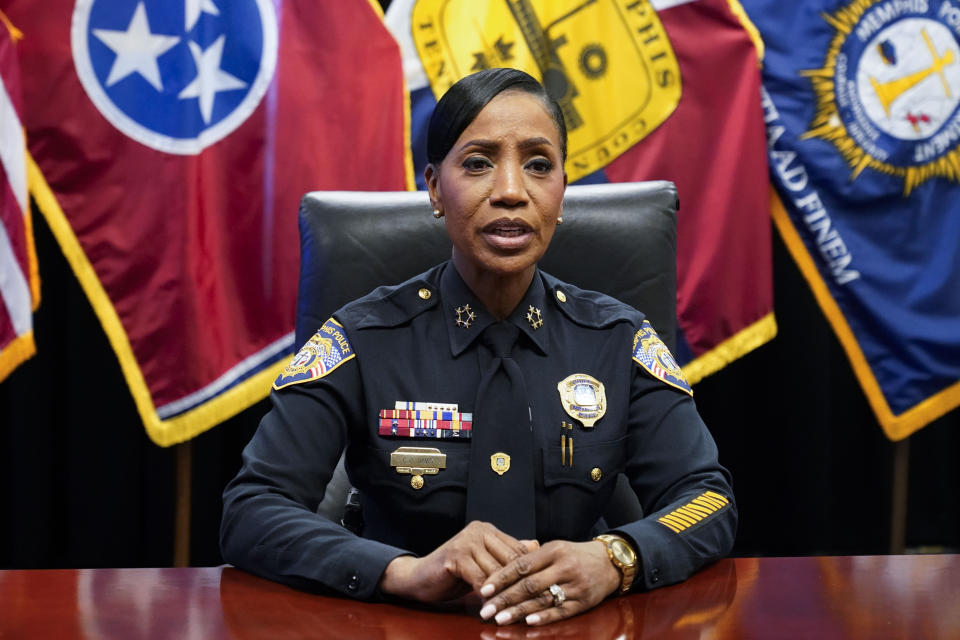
[(623, 557)]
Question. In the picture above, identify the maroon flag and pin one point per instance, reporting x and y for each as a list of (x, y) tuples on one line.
[(19, 284), (176, 139)]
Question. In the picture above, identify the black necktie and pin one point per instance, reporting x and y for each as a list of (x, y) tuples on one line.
[(500, 486)]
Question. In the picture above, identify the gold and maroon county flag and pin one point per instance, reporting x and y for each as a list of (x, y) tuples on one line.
[(19, 284), (173, 140), (650, 90)]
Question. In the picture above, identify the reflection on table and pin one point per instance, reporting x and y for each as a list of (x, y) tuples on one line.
[(825, 597)]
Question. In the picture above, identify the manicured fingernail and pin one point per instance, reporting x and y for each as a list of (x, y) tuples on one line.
[(533, 618), (503, 617), (487, 611), (487, 590)]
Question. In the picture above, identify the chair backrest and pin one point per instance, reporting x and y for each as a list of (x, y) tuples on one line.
[(619, 239)]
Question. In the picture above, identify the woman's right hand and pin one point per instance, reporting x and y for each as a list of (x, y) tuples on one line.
[(456, 567)]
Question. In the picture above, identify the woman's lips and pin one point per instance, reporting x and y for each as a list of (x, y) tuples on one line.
[(507, 234)]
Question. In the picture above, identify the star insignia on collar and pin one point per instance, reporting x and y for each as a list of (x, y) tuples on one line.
[(534, 318), (465, 316)]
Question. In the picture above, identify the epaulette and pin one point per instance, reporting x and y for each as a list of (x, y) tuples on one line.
[(588, 308), (393, 305)]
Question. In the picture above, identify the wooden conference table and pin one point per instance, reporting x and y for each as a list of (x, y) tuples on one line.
[(869, 597)]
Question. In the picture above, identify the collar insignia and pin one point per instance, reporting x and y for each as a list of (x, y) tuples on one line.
[(534, 317), (465, 316)]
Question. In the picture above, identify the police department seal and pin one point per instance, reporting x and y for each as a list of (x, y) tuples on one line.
[(175, 75), (888, 94)]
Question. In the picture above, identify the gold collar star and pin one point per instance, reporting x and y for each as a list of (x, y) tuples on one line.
[(534, 318), (465, 316)]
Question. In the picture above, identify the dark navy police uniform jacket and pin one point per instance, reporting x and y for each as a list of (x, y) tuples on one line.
[(416, 342)]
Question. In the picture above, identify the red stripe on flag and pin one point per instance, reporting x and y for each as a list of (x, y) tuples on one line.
[(7, 333), (714, 148)]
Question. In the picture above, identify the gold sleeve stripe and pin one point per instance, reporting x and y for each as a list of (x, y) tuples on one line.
[(682, 518), (704, 511), (706, 504), (709, 503), (674, 519), (697, 510), (690, 513), (673, 528), (672, 522)]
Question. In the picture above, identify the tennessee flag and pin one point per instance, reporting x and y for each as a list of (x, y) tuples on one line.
[(19, 283), (172, 142), (650, 89), (862, 106)]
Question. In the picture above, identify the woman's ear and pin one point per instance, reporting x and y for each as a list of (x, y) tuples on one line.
[(431, 175)]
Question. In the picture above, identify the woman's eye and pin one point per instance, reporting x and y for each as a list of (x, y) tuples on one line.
[(476, 164), (540, 165)]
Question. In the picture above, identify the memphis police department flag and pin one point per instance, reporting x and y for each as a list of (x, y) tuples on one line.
[(862, 108), (173, 140), (665, 89)]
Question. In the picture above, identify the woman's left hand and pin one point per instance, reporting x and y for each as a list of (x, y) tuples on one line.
[(521, 589)]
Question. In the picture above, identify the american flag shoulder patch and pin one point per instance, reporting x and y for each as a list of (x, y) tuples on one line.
[(654, 356), (324, 352)]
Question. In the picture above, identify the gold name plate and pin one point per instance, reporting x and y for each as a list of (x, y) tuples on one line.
[(418, 460)]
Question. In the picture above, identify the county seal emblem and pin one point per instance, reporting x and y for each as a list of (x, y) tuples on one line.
[(608, 63), (889, 89)]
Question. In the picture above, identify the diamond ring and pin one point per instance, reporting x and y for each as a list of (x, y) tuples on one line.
[(558, 595)]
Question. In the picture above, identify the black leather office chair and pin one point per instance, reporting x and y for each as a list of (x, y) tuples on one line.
[(619, 239)]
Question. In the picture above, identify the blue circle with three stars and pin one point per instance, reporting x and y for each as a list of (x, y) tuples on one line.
[(175, 75)]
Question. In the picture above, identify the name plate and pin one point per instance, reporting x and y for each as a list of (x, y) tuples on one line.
[(427, 460)]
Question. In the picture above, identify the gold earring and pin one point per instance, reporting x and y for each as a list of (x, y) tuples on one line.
[(559, 221), (437, 213)]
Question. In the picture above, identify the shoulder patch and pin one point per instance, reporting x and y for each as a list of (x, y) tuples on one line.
[(324, 352), (654, 356)]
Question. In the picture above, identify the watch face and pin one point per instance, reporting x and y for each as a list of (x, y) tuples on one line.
[(622, 552)]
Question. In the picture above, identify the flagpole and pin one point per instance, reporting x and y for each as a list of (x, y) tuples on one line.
[(181, 527), (898, 493)]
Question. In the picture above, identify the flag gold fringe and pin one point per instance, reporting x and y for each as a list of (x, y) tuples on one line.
[(896, 427), (740, 13), (737, 345), (20, 349), (162, 432)]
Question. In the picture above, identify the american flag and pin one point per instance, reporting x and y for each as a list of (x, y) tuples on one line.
[(19, 284)]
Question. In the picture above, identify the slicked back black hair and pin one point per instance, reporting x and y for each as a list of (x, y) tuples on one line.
[(469, 95)]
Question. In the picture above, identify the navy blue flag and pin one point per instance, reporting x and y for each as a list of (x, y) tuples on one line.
[(862, 107)]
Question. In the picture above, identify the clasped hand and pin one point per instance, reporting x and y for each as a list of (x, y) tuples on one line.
[(513, 577)]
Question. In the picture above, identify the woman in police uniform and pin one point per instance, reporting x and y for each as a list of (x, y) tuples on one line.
[(486, 409)]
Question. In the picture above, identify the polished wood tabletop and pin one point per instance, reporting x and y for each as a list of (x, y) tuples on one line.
[(868, 597)]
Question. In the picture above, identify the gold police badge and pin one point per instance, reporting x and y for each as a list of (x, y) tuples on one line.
[(583, 398), (608, 63), (500, 462)]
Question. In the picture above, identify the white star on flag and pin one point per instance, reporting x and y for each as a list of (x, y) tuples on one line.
[(211, 79), (137, 49), (193, 8)]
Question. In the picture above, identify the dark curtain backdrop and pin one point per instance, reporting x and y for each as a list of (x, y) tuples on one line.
[(82, 486)]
